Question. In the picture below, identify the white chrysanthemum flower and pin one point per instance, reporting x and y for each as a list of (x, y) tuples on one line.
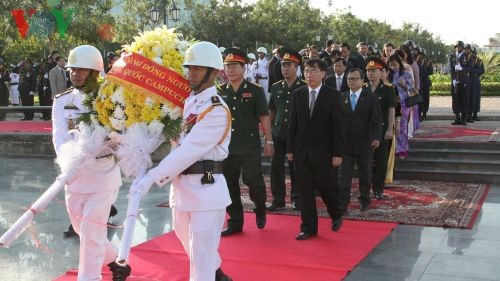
[(119, 113), (158, 60), (164, 111), (157, 50), (117, 97), (117, 124), (149, 102), (141, 52), (182, 45), (175, 114)]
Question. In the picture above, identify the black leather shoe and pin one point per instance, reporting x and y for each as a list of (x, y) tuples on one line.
[(221, 276), (364, 207), (337, 223), (120, 272), (70, 232), (469, 120), (295, 205), (475, 118), (379, 195), (458, 122), (304, 236), (260, 220), (275, 206), (230, 231)]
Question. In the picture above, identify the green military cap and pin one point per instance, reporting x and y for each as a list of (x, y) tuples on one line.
[(235, 55), (290, 55), (375, 63)]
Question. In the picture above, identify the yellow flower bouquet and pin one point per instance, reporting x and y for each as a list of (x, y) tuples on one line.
[(142, 96)]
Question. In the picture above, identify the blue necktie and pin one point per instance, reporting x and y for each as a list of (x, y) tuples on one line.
[(353, 101)]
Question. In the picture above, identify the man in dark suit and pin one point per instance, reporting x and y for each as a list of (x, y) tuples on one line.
[(361, 133), (338, 81), (315, 146), (274, 68), (354, 60)]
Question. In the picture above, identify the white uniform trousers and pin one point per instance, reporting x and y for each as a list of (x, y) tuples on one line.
[(265, 84), (89, 213), (199, 233)]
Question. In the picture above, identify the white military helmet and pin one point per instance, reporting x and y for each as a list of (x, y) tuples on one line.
[(251, 56), (262, 50), (85, 56), (204, 54)]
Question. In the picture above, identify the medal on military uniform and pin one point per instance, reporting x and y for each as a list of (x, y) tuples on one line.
[(71, 124)]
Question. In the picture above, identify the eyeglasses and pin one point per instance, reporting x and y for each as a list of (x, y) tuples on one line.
[(312, 71), (353, 78)]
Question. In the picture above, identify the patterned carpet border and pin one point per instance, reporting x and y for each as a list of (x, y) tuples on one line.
[(426, 203)]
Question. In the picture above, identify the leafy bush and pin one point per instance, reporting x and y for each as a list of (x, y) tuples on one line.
[(487, 88)]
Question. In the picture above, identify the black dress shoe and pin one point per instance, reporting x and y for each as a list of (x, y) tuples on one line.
[(295, 205), (231, 230), (260, 220), (120, 272), (469, 120), (337, 223), (70, 232), (304, 236), (275, 206), (475, 118), (364, 207), (379, 195), (458, 122), (221, 276)]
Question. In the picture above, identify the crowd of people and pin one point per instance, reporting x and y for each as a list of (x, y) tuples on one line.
[(19, 84)]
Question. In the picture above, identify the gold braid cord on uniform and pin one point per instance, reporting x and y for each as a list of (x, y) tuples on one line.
[(210, 108)]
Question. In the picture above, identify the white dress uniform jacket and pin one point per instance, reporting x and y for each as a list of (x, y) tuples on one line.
[(203, 142), (261, 67), (91, 180), (88, 197)]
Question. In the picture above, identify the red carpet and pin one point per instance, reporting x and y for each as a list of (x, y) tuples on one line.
[(454, 133), (269, 254), (26, 126), (428, 203)]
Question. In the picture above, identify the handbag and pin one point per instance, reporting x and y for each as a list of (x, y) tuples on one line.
[(413, 100)]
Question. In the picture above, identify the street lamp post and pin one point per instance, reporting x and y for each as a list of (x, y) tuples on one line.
[(174, 13)]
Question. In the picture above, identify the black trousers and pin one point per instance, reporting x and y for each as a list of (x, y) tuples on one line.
[(425, 92), (460, 99), (278, 187), (250, 167), (380, 157), (27, 100), (45, 98), (364, 163), (322, 178), (474, 96)]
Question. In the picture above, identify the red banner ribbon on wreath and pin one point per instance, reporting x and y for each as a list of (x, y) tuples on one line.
[(141, 74), (20, 20)]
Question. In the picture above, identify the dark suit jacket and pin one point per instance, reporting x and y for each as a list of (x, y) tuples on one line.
[(317, 138), (275, 74), (361, 126), (332, 82)]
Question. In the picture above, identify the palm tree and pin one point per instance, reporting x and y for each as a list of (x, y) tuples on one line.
[(491, 61)]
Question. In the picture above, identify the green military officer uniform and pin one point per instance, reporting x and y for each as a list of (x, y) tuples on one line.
[(246, 104), (279, 103), (387, 98)]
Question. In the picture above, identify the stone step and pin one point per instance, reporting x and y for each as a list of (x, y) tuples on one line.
[(414, 144), (447, 175), (450, 153), (477, 166)]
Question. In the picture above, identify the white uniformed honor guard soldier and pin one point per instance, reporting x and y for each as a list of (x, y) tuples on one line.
[(199, 194), (90, 193)]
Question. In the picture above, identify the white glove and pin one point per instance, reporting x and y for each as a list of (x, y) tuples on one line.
[(32, 94), (142, 186), (454, 83), (458, 67)]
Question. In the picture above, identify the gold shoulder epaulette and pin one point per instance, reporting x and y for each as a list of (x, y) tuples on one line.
[(388, 84), (64, 93), (277, 82)]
